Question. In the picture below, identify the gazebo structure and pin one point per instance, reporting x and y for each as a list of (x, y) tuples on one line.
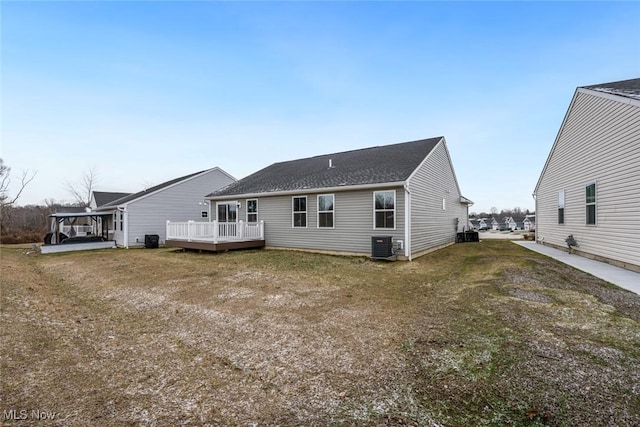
[(96, 237)]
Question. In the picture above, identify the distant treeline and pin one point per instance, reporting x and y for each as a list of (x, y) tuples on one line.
[(26, 224)]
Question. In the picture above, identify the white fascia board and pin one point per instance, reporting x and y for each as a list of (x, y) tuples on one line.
[(311, 190), (610, 96), (466, 201)]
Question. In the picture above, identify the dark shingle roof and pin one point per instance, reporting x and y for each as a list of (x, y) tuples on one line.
[(139, 194), (70, 209), (104, 197), (388, 163), (627, 88)]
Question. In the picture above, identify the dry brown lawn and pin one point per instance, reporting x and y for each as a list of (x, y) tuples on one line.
[(474, 334)]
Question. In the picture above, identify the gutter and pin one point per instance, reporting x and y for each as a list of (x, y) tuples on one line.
[(309, 190)]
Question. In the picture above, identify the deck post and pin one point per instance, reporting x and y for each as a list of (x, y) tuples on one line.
[(190, 225), (262, 230), (215, 231), (240, 231)]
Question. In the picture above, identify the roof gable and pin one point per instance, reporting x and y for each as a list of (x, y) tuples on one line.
[(627, 91), (375, 165), (132, 197)]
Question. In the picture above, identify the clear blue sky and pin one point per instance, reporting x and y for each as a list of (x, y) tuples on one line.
[(149, 91)]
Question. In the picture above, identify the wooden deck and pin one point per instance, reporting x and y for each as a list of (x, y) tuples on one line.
[(214, 247), (215, 236)]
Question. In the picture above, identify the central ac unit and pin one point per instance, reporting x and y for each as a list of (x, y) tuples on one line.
[(382, 247)]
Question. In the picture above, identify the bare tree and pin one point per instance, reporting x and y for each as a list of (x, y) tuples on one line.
[(82, 190), (5, 179), (494, 210)]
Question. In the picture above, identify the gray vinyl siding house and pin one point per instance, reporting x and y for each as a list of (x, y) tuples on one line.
[(407, 191), (590, 184), (148, 211)]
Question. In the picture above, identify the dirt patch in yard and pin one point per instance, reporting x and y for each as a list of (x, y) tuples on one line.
[(474, 334)]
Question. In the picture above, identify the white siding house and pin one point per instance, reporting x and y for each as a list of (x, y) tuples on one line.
[(590, 185), (147, 212), (337, 202)]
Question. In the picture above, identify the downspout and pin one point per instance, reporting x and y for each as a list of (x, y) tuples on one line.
[(125, 231), (407, 222)]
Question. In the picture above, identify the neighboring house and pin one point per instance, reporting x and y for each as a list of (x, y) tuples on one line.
[(493, 224), (336, 203), (147, 212), (514, 223), (510, 223), (101, 198), (529, 223), (590, 184), (487, 224)]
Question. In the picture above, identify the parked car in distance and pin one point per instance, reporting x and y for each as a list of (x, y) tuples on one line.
[(503, 228)]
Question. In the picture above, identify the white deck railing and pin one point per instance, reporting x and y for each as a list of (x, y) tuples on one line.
[(215, 232)]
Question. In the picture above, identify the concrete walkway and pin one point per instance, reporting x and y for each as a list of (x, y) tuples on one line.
[(618, 276)]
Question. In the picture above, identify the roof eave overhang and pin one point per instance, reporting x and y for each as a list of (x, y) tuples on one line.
[(77, 214), (466, 201), (310, 190), (612, 96)]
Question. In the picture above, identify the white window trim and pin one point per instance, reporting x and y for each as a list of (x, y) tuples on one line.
[(306, 211), (333, 211), (561, 205), (395, 203), (595, 204), (256, 212)]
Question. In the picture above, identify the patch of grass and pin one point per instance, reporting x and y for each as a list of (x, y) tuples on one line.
[(473, 334)]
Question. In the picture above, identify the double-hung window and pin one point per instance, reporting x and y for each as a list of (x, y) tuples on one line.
[(561, 207), (252, 210), (299, 211), (325, 210), (590, 202), (384, 209)]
